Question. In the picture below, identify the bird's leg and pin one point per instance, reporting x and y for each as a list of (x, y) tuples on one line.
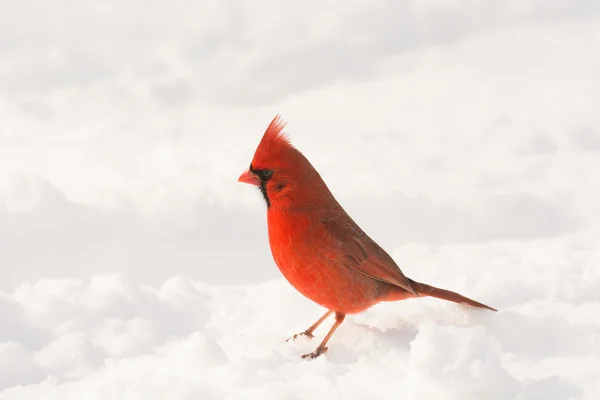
[(309, 331), (339, 318)]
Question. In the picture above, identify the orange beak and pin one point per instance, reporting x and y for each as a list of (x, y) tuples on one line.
[(249, 177)]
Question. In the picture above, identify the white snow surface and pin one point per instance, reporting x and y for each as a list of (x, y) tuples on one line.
[(462, 136), (105, 338)]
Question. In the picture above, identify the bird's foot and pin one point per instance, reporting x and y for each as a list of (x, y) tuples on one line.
[(307, 333), (311, 356)]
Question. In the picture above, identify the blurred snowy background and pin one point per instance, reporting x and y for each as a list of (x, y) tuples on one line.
[(463, 136)]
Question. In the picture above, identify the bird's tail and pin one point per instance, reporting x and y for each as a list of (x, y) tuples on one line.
[(423, 289)]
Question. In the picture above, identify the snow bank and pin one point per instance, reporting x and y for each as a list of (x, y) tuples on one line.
[(104, 338)]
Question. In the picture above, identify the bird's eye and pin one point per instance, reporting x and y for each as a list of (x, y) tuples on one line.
[(266, 174)]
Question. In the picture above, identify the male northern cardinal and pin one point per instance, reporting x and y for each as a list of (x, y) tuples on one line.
[(319, 249)]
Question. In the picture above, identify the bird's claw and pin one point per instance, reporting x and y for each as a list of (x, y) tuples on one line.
[(305, 333), (311, 356)]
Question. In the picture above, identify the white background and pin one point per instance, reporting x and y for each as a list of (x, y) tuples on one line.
[(463, 136)]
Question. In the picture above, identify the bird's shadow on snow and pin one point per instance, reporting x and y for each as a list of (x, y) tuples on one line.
[(355, 340), (371, 336)]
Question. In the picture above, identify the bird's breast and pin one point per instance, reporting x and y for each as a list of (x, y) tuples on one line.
[(308, 257)]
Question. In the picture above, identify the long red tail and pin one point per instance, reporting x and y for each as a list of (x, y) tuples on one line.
[(426, 290)]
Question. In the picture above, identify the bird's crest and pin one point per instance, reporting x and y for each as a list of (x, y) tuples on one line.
[(273, 143)]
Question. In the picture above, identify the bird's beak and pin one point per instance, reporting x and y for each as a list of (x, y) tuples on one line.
[(249, 177)]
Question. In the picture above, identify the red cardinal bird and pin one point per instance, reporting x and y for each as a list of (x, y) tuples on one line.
[(319, 249)]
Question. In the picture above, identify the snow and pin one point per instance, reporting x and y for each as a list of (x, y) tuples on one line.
[(463, 137), (107, 338)]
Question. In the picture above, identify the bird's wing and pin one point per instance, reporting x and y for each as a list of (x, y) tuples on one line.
[(360, 252)]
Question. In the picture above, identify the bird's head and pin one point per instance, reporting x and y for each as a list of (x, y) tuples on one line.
[(284, 176)]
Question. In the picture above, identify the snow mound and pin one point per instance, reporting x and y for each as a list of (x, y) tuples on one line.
[(106, 339)]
